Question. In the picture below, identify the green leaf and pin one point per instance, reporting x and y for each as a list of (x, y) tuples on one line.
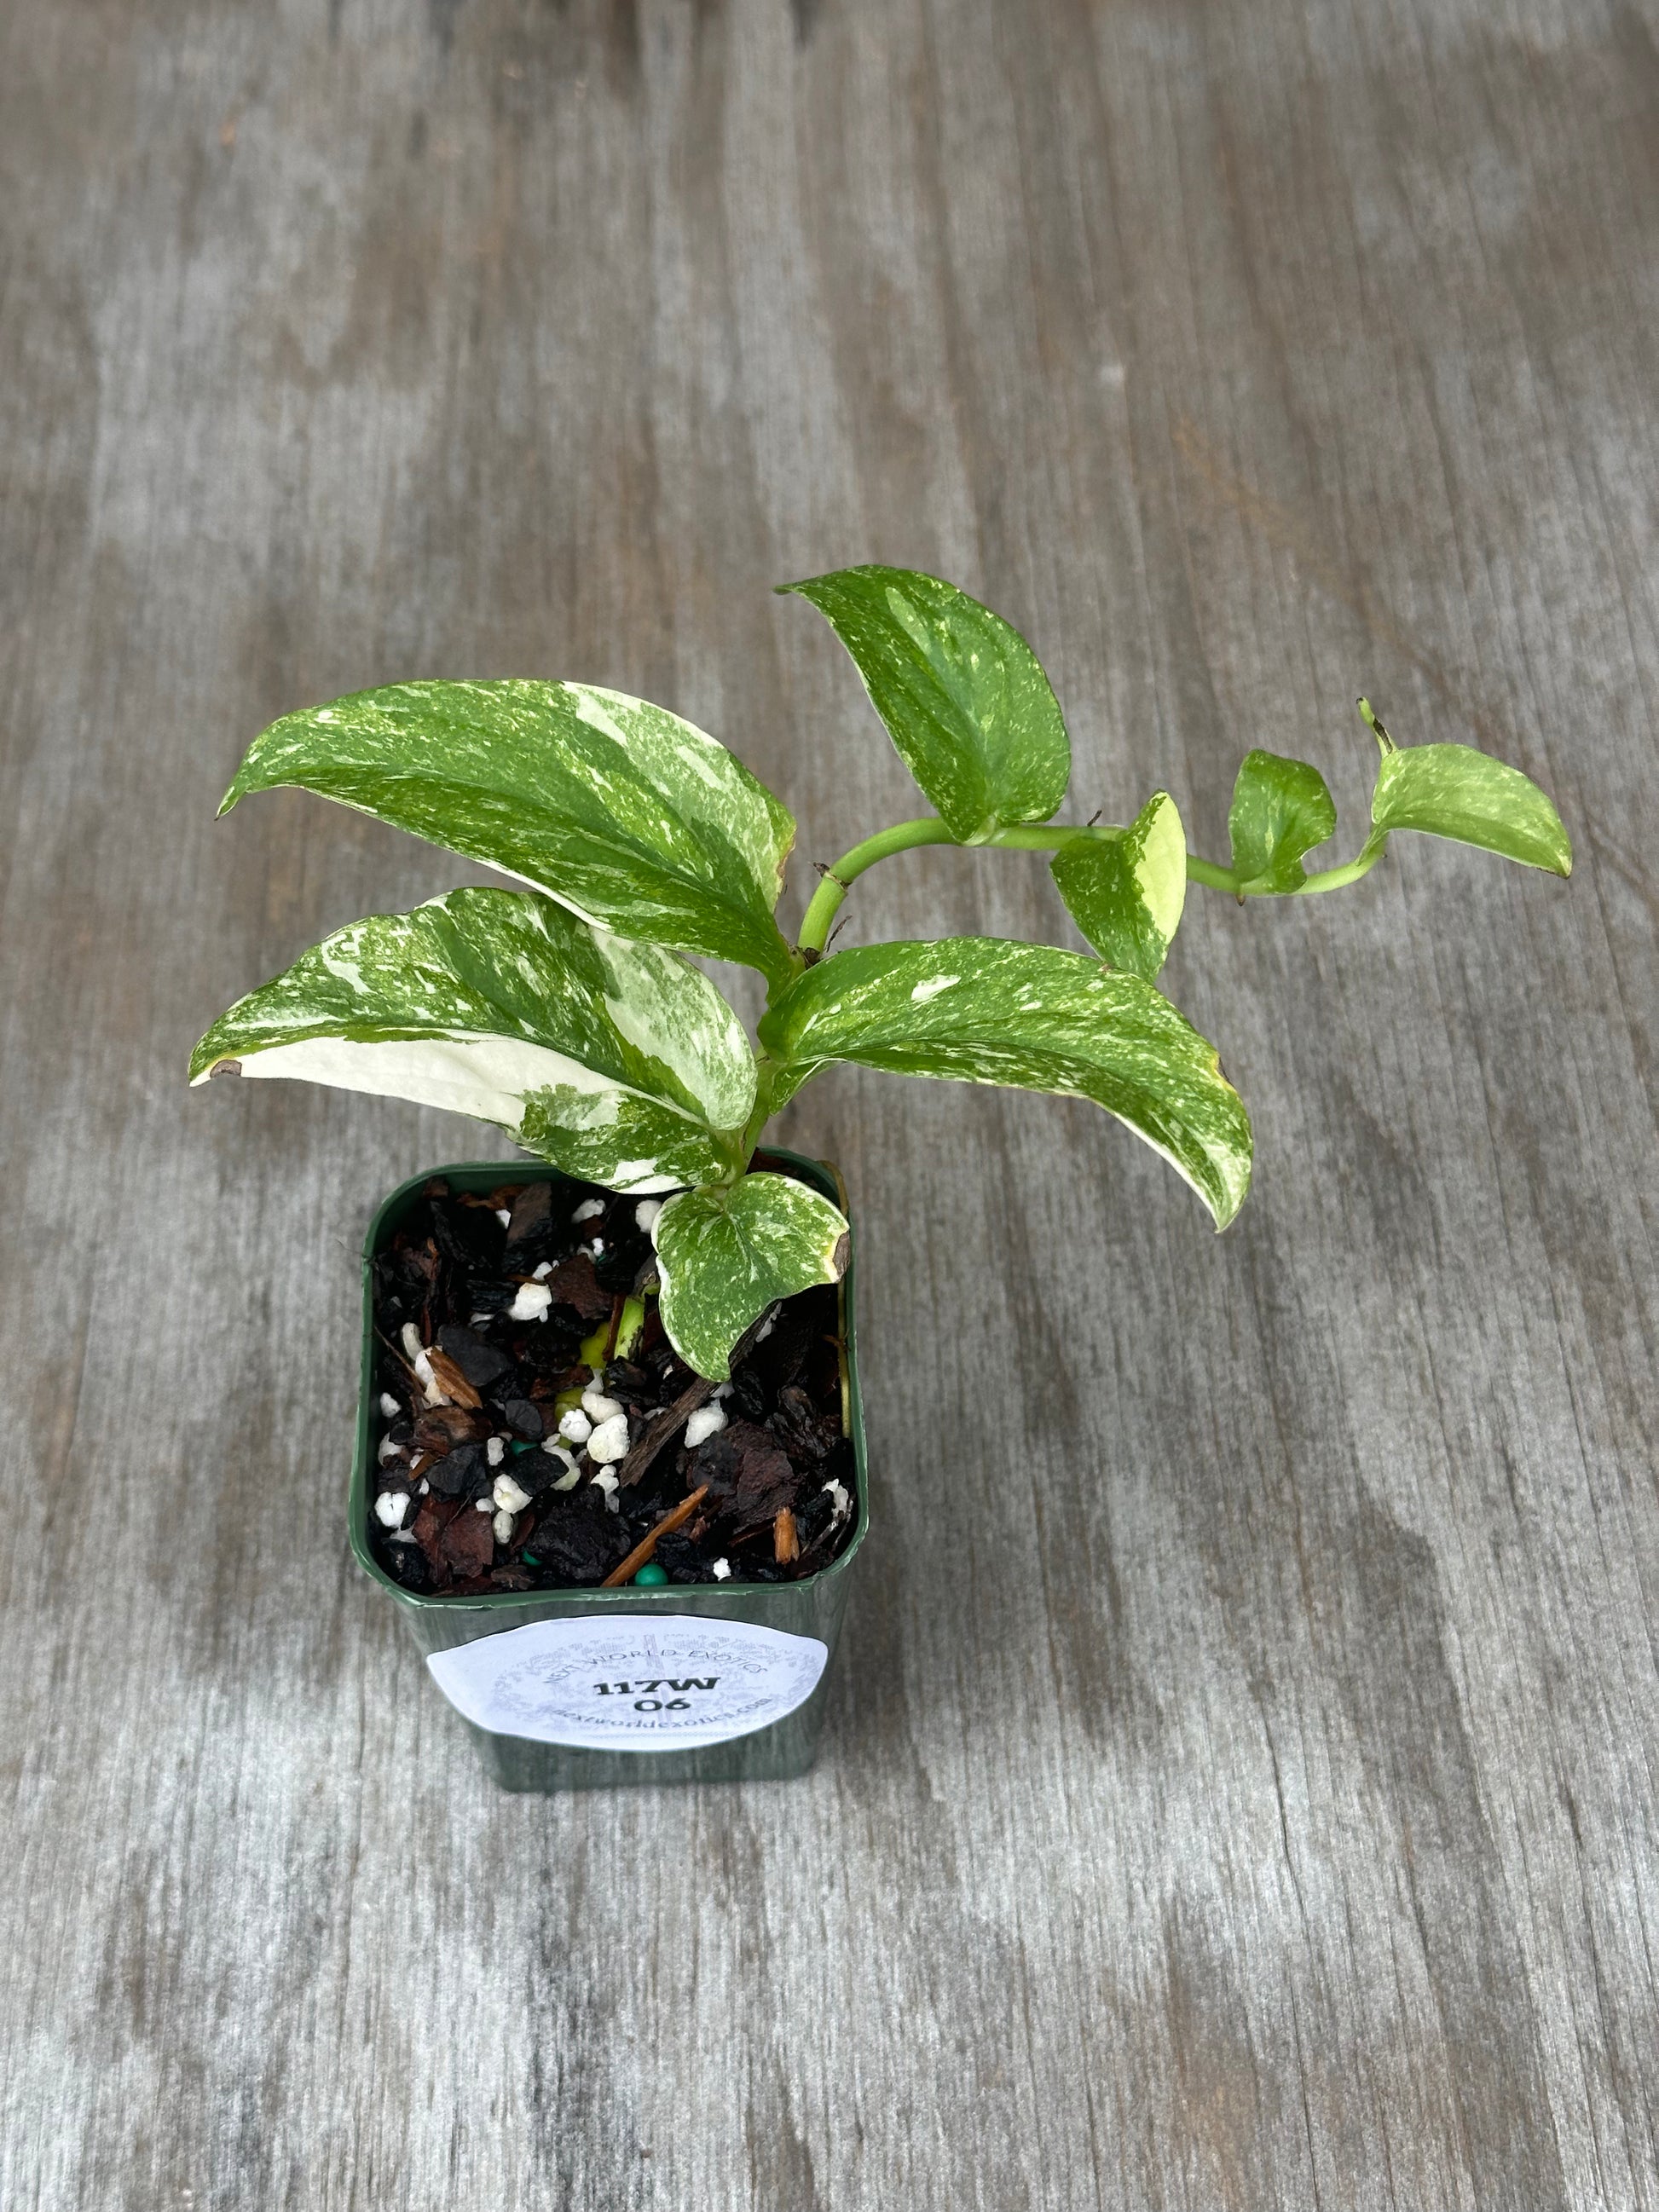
[(723, 1256), (981, 1010), (1456, 792), (1126, 893), (632, 818), (1280, 811), (620, 1062), (963, 696)]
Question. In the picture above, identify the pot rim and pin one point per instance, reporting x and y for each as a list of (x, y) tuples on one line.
[(664, 1597)]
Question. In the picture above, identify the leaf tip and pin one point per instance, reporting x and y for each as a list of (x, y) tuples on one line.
[(1234, 1193), (204, 1065)]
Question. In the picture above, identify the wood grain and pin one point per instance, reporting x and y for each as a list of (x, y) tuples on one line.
[(1240, 1788)]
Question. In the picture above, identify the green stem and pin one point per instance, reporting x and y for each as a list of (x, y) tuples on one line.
[(1047, 837), (1211, 874), (1333, 879), (837, 881)]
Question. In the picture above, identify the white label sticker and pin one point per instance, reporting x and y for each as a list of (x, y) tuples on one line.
[(630, 1682)]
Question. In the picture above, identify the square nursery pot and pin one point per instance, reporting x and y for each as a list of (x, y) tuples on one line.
[(578, 1689)]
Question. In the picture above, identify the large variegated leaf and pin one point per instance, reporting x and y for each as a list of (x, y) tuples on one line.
[(1281, 810), (984, 1010), (1457, 792), (632, 818), (1125, 892), (723, 1256), (618, 1061), (963, 696)]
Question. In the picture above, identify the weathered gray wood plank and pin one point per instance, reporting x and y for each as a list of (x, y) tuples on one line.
[(1241, 1792)]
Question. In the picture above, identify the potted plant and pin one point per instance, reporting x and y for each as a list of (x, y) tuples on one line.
[(609, 1453)]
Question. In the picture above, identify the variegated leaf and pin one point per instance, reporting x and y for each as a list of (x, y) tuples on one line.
[(963, 696), (1460, 793), (723, 1256), (1126, 893), (1281, 810), (631, 817), (985, 1010), (618, 1061)]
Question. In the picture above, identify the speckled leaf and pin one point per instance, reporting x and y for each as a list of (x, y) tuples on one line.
[(620, 1062), (1126, 893), (629, 816), (724, 1255), (984, 1010), (963, 696), (1456, 792), (1281, 810)]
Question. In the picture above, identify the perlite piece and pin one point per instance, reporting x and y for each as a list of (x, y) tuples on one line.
[(707, 1421), (531, 1302), (608, 1442)]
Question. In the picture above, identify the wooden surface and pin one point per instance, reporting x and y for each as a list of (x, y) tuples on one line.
[(1239, 1786)]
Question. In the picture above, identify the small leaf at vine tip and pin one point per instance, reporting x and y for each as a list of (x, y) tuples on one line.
[(1281, 810), (1126, 893), (1456, 792), (963, 696), (982, 1010), (635, 820), (619, 1062), (724, 1255)]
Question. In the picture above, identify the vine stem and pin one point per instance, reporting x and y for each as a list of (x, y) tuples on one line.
[(836, 882), (1047, 837)]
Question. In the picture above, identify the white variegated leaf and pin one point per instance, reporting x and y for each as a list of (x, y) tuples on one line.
[(1125, 892), (1280, 811), (723, 1256), (1456, 792), (965, 698), (982, 1010), (618, 1061), (635, 820)]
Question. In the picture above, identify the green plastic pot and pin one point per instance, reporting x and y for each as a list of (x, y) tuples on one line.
[(812, 1609)]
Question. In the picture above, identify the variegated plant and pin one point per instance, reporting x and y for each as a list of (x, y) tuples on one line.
[(569, 1016)]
